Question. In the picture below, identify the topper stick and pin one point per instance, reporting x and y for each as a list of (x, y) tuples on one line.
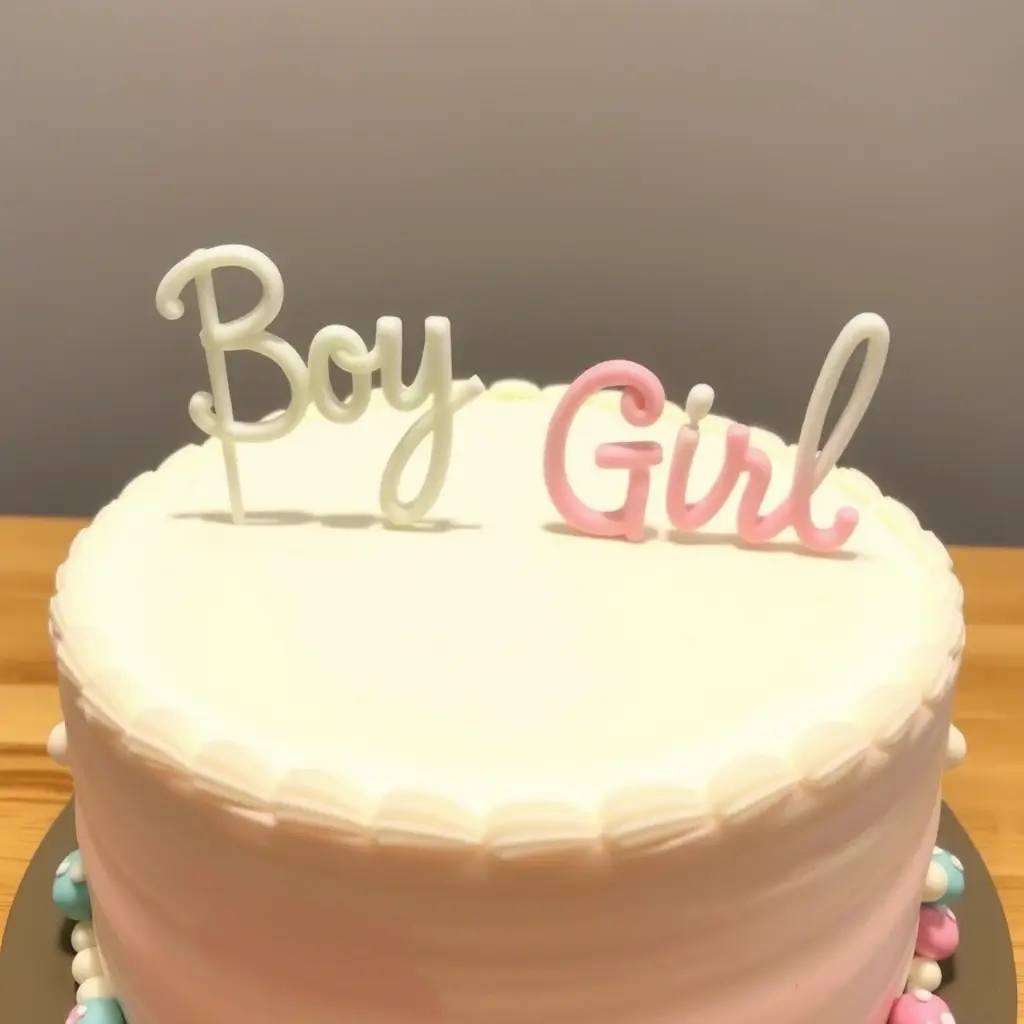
[(217, 366)]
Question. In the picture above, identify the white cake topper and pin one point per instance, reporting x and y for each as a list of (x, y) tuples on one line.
[(433, 381), (212, 413)]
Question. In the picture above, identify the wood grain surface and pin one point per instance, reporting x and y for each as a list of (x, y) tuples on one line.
[(987, 792)]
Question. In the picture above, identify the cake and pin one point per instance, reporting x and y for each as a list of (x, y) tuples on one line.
[(380, 719)]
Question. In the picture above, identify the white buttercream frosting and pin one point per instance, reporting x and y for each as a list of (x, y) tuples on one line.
[(488, 676)]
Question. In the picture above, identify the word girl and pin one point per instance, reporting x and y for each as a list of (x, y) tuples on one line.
[(212, 413), (643, 401)]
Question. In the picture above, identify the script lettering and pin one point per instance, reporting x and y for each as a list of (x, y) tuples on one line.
[(642, 403)]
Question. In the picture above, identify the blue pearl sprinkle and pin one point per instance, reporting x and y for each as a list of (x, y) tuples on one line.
[(71, 896), (953, 871), (97, 1011)]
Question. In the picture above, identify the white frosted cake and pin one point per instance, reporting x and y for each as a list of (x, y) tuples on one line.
[(358, 739)]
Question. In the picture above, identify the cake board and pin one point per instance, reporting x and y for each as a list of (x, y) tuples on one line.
[(36, 986)]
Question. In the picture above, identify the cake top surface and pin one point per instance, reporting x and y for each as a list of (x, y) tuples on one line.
[(488, 670), (488, 653)]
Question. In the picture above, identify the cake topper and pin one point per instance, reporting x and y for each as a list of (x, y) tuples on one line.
[(642, 403), (212, 412)]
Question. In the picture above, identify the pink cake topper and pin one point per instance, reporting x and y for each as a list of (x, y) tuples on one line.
[(643, 401)]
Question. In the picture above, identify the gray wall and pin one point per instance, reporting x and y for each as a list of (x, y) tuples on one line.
[(708, 186)]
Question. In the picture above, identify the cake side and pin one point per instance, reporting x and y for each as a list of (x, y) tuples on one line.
[(673, 803), (792, 918)]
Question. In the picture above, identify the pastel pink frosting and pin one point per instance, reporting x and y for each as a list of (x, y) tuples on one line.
[(211, 916)]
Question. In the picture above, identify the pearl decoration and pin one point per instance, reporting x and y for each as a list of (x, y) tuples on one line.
[(94, 988), (944, 881), (956, 748), (920, 1007), (97, 1011), (95, 1002), (70, 892), (86, 965), (82, 937), (57, 743), (925, 975), (934, 883), (938, 933)]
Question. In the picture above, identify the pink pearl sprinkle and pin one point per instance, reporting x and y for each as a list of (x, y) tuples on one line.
[(76, 1015), (938, 934), (920, 1008)]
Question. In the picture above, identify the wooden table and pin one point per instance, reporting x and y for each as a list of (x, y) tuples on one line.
[(987, 792)]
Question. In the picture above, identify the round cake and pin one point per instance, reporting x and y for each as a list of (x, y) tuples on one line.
[(485, 768)]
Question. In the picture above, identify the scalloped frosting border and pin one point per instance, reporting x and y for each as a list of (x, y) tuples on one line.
[(636, 820)]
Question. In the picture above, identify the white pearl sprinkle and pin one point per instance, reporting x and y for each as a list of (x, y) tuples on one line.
[(925, 975), (922, 995), (77, 873), (935, 883), (86, 965), (956, 747), (94, 988), (82, 937), (57, 743)]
